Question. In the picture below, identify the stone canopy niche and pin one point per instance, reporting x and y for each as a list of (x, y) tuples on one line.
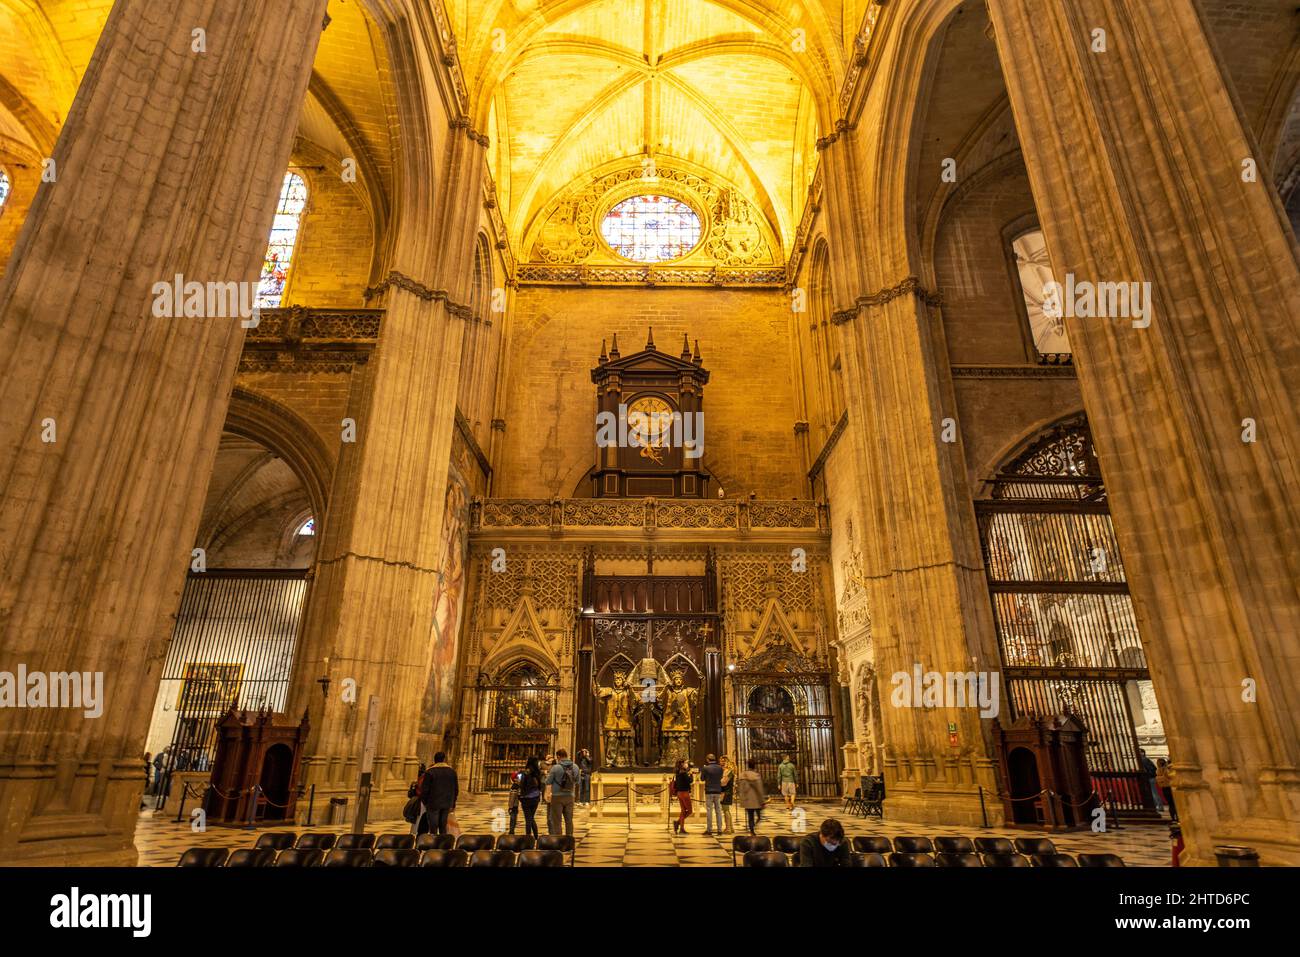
[(650, 437)]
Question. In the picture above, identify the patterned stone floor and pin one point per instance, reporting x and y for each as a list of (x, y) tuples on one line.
[(613, 842)]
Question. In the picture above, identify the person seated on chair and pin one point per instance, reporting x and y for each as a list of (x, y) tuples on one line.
[(826, 848)]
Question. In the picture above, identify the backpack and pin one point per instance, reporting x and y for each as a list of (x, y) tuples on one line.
[(569, 777)]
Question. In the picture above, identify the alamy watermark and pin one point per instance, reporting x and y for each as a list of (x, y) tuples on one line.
[(1083, 299), (53, 689), (919, 688), (652, 432), (180, 299), (77, 910)]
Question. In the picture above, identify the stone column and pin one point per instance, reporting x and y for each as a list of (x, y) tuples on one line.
[(380, 559), (170, 163), (922, 572), (1136, 157)]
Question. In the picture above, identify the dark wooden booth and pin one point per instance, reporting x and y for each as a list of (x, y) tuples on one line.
[(255, 776), (1045, 773)]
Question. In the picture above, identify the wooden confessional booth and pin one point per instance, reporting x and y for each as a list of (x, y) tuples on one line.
[(255, 775), (1045, 774)]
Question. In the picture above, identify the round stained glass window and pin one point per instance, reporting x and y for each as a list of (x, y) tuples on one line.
[(651, 229)]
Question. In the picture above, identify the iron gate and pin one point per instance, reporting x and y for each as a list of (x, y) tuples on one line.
[(233, 646), (1067, 633), (516, 721), (781, 705)]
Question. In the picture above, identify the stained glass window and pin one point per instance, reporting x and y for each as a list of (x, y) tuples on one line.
[(4, 188), (308, 527), (284, 234), (651, 229), (1035, 274)]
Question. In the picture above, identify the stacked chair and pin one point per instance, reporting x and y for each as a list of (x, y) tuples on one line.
[(868, 800)]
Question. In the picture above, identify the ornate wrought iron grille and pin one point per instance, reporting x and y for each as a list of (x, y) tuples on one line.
[(516, 720), (233, 646), (781, 705), (1067, 634)]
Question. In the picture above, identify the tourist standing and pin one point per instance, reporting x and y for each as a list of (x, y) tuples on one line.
[(413, 812), (530, 794), (728, 792), (512, 799), (752, 795), (785, 779), (711, 775), (584, 779), (439, 789), (826, 848), (161, 778), (547, 763), (1149, 772), (1165, 782), (563, 780), (681, 789)]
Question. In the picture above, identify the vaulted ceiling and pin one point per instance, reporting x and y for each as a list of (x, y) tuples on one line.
[(567, 88), (737, 88)]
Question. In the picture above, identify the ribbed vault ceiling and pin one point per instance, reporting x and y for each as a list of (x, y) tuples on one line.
[(732, 87)]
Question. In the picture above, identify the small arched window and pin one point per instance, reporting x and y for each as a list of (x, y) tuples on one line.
[(4, 188), (284, 236), (1035, 271), (308, 527)]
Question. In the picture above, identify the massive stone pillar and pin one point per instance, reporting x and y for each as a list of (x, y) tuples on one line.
[(1136, 154), (922, 566), (170, 163), (370, 623)]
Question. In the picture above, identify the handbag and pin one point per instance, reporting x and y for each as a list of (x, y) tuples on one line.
[(411, 812)]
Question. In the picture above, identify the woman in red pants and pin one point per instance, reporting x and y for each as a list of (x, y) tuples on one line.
[(681, 786)]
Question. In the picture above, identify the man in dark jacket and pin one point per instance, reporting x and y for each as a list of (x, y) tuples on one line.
[(826, 848), (439, 789), (711, 775)]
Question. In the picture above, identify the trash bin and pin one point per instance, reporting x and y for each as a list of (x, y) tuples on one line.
[(1234, 855), (338, 811)]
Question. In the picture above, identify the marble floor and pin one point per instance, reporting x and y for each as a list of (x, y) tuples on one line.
[(612, 842)]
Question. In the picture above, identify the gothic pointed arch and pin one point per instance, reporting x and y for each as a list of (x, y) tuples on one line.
[(276, 426)]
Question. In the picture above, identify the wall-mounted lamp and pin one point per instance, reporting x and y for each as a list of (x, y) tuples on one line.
[(324, 681)]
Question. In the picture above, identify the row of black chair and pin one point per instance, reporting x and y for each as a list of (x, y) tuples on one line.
[(398, 850), (366, 857), (923, 852), (945, 859), (320, 840)]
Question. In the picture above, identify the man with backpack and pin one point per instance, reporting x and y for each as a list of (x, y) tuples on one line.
[(563, 780)]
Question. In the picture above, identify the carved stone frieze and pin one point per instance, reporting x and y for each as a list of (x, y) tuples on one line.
[(648, 513), (302, 340), (734, 231), (580, 275)]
